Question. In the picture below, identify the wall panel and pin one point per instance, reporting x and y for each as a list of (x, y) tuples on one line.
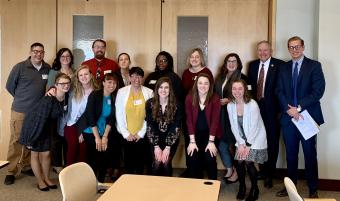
[(22, 23)]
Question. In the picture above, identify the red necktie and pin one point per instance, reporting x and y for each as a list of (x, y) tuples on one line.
[(260, 84)]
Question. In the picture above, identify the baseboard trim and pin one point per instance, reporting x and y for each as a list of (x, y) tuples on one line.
[(324, 184)]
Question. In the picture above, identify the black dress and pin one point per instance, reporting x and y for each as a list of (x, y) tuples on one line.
[(36, 132)]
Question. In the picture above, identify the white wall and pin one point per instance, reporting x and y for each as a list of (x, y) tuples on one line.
[(329, 54), (297, 18)]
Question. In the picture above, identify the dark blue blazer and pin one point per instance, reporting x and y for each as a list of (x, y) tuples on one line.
[(310, 88), (271, 106)]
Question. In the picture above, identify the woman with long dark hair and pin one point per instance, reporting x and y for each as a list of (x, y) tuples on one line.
[(229, 71), (163, 117)]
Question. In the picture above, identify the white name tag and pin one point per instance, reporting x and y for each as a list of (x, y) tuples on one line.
[(152, 81), (44, 76), (107, 71), (65, 107), (137, 102), (249, 87), (109, 101)]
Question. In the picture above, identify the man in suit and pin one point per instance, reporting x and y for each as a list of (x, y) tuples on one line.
[(262, 75), (301, 85)]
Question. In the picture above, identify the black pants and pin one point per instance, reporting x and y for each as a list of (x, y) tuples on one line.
[(159, 168), (134, 156), (201, 160), (99, 161), (58, 150)]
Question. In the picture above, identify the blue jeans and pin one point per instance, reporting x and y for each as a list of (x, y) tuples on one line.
[(225, 154)]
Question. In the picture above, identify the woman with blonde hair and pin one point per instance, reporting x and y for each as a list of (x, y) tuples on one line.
[(84, 84)]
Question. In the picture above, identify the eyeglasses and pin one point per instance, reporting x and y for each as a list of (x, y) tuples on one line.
[(231, 61), (63, 83), (38, 51), (135, 76), (163, 61), (65, 57), (99, 47), (296, 47)]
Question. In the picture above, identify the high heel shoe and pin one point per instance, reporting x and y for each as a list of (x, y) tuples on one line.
[(253, 194), (232, 179), (241, 192), (43, 189), (52, 186)]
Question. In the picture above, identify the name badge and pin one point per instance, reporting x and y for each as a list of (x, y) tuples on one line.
[(152, 81), (109, 101), (249, 87), (195, 77), (44, 76), (137, 102), (107, 71), (65, 107)]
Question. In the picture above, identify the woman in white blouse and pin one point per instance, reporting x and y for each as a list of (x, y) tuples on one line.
[(250, 134), (131, 124)]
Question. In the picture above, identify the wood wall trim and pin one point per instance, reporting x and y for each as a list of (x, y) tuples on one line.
[(272, 23), (324, 184)]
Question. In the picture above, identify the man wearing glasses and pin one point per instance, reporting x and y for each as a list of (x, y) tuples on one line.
[(301, 85), (27, 84), (100, 65)]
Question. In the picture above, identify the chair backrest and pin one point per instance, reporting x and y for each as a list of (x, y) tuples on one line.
[(78, 182), (291, 189)]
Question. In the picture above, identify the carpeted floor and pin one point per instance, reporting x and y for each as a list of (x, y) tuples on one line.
[(25, 189)]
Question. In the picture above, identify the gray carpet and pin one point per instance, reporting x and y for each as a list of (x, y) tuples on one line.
[(25, 189)]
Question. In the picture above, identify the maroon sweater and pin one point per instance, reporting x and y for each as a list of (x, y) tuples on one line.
[(106, 66), (188, 78), (212, 113)]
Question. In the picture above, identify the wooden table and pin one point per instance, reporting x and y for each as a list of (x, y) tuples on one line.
[(3, 163), (153, 188)]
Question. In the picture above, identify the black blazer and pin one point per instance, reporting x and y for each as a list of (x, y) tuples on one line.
[(271, 104), (310, 89), (93, 111)]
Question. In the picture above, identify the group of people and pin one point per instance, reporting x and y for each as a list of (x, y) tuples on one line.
[(101, 113)]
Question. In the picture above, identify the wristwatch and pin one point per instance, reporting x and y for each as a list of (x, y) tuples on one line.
[(298, 108)]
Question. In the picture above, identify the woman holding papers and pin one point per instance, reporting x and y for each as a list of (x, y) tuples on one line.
[(250, 134)]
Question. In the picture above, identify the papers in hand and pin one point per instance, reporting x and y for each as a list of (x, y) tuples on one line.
[(307, 126)]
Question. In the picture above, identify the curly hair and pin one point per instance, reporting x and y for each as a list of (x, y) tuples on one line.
[(170, 107), (56, 63)]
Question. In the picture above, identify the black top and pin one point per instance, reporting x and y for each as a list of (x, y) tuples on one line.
[(153, 77), (158, 130), (93, 111), (202, 124)]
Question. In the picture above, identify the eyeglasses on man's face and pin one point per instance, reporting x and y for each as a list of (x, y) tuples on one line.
[(296, 47), (38, 51)]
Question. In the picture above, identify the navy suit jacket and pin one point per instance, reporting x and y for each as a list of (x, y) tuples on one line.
[(271, 106), (310, 88)]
